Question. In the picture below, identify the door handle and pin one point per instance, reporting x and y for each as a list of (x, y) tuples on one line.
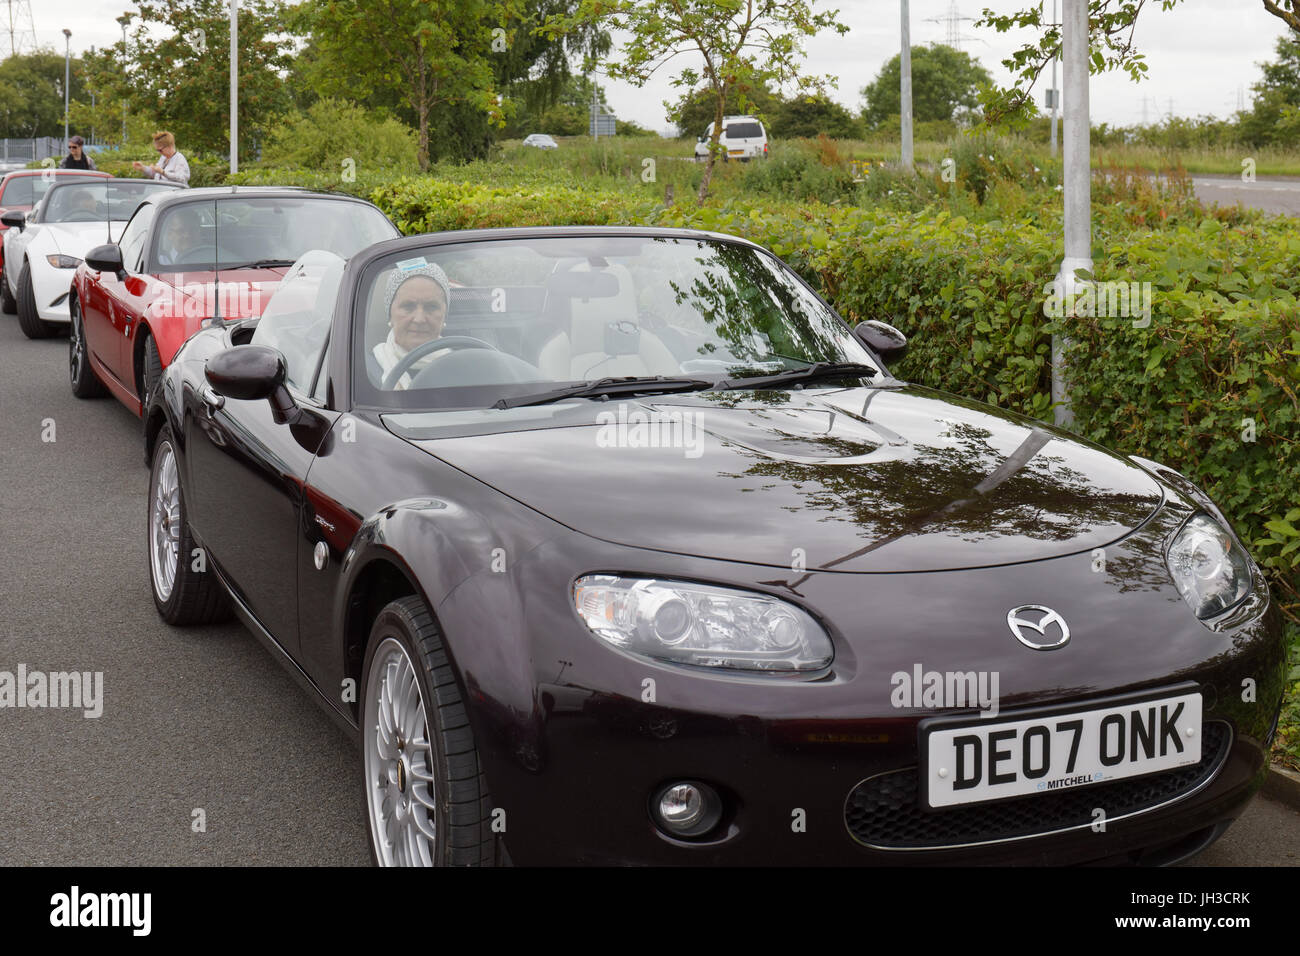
[(212, 400)]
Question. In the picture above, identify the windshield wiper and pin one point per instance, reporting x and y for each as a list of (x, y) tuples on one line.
[(260, 264), (797, 376), (629, 385)]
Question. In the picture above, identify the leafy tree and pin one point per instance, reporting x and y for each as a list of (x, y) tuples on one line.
[(31, 93), (533, 69), (1274, 117), (430, 57), (1111, 25), (745, 44), (183, 78), (945, 83), (812, 115), (331, 132)]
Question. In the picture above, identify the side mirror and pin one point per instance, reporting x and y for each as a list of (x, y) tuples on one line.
[(106, 258), (14, 219), (883, 339), (249, 373)]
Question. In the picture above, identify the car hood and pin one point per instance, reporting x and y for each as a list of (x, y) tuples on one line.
[(77, 238), (241, 293), (857, 480)]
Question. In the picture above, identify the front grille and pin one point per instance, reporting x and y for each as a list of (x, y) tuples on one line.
[(885, 811)]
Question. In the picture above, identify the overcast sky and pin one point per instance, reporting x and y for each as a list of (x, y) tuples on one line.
[(1202, 56)]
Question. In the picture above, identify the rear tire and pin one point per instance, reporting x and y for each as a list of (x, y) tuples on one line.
[(427, 802), (33, 326), (8, 304), (181, 594), (85, 383)]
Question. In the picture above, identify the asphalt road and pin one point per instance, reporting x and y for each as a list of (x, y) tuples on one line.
[(192, 719), (1276, 195)]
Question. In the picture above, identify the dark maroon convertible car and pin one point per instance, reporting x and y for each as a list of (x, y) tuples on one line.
[(617, 545)]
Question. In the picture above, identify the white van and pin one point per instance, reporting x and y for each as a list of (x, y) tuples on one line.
[(743, 138)]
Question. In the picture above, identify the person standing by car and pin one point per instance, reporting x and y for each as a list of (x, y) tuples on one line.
[(77, 157), (172, 167)]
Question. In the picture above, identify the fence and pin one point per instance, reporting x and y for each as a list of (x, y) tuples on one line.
[(35, 149)]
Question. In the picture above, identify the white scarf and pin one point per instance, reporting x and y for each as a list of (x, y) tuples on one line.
[(388, 353)]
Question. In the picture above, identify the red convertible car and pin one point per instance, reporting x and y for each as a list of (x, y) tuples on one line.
[(193, 258)]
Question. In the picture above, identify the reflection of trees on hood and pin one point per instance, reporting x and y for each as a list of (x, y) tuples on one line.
[(936, 490)]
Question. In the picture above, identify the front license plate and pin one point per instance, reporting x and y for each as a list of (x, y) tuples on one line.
[(975, 762)]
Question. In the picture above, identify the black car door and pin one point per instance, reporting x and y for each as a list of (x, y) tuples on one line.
[(247, 471)]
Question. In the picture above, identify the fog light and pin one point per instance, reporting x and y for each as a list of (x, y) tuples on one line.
[(687, 808)]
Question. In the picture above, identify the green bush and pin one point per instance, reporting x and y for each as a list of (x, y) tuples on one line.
[(334, 133)]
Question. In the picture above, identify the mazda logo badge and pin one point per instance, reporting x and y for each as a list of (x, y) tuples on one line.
[(1026, 618)]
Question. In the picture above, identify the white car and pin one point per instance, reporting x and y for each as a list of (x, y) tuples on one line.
[(43, 248), (541, 141), (743, 138)]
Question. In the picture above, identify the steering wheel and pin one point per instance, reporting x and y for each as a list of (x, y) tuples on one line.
[(83, 215), (433, 345)]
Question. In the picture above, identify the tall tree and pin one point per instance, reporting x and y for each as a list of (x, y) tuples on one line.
[(944, 82), (1274, 117), (744, 44), (180, 70), (427, 56), (31, 93)]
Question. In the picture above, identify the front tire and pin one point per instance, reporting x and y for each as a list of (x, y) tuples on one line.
[(33, 326), (184, 592), (85, 383), (152, 374), (426, 796)]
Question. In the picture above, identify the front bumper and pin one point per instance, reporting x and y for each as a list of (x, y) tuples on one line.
[(576, 737), (50, 287)]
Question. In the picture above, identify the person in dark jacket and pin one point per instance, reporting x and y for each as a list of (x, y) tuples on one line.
[(77, 158)]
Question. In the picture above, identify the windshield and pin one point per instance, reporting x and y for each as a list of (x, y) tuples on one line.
[(469, 324), (249, 232), (96, 201)]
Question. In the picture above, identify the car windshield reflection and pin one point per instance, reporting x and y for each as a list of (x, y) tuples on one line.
[(482, 323)]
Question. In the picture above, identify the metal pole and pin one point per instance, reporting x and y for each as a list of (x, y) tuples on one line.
[(234, 86), (124, 19), (905, 92), (1077, 181), (1056, 93), (67, 82)]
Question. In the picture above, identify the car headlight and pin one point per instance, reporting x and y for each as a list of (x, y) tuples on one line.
[(1211, 571), (703, 625), (63, 262)]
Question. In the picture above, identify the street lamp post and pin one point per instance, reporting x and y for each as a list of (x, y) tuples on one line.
[(234, 86), (67, 81), (124, 19), (905, 90), (1077, 179)]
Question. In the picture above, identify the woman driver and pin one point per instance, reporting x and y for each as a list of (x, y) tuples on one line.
[(416, 303)]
